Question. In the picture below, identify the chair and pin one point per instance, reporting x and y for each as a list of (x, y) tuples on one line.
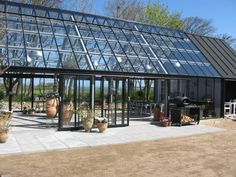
[(227, 108)]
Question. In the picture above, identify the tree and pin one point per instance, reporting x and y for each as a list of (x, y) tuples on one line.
[(230, 40), (80, 5), (158, 14), (197, 25), (125, 9), (46, 3)]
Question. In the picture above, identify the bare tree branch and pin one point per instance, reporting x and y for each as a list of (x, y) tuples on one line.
[(125, 9), (86, 6), (228, 39), (200, 26)]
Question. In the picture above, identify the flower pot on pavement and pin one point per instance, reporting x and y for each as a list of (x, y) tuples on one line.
[(3, 135), (88, 123), (102, 127)]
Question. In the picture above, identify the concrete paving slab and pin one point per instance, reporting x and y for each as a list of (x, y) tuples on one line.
[(27, 140)]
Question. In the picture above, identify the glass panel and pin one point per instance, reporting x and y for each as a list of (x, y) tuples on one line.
[(169, 66), (68, 116), (52, 59), (71, 29), (82, 61), (58, 27), (29, 23), (125, 64), (76, 44), (112, 63), (84, 30), (35, 58), (16, 57), (2, 29), (128, 49), (54, 14), (109, 34), (104, 47), (63, 43), (12, 9), (68, 60), (40, 12), (91, 45), (130, 36), (97, 33), (14, 22), (98, 62), (15, 39), (44, 25), (116, 47), (137, 64), (48, 42), (32, 40)]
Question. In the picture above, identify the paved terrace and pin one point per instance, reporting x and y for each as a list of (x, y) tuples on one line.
[(28, 137)]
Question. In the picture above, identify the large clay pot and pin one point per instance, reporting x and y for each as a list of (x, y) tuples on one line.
[(1, 123), (3, 136), (67, 112), (88, 123), (51, 107), (102, 127)]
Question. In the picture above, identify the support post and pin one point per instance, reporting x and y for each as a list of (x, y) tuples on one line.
[(92, 92)]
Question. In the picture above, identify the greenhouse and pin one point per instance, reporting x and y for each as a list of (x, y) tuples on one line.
[(119, 68)]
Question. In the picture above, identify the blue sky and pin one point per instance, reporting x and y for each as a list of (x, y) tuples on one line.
[(221, 12)]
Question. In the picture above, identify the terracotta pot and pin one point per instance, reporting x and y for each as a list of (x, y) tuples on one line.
[(31, 113), (51, 112), (88, 123), (102, 127), (165, 124), (1, 123), (3, 136), (52, 102), (51, 107), (67, 112)]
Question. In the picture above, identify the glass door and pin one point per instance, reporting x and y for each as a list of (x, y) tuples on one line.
[(114, 101)]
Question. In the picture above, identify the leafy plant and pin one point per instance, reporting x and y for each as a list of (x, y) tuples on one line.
[(5, 119), (25, 111), (52, 95), (67, 99), (31, 110), (101, 120)]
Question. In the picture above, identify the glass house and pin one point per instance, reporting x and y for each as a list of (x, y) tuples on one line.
[(111, 64)]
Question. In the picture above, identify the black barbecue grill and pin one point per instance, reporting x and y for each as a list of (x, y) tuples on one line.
[(179, 106)]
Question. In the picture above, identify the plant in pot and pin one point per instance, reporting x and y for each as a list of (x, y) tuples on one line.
[(87, 115), (102, 123), (31, 111), (24, 111), (68, 109), (52, 103), (5, 119)]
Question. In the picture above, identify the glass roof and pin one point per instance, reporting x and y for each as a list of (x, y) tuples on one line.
[(52, 38)]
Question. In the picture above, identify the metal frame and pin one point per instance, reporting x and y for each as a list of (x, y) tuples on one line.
[(136, 30), (99, 29)]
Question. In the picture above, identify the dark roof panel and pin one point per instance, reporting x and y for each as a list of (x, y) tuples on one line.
[(218, 53)]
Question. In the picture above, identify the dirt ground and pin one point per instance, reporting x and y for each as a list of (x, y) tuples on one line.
[(208, 155)]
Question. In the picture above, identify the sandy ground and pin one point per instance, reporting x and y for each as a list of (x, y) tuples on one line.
[(208, 155)]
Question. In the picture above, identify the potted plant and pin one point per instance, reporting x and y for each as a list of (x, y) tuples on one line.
[(87, 116), (52, 103), (102, 123), (68, 107), (24, 111), (5, 118), (31, 111)]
